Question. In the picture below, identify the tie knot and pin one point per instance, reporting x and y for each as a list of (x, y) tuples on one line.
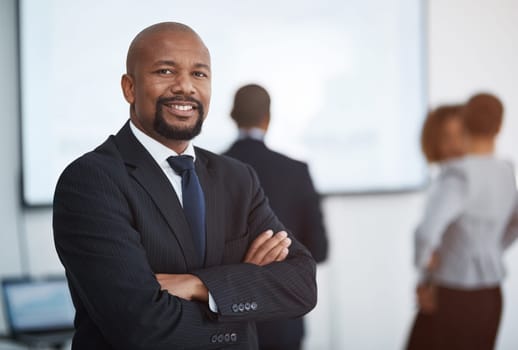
[(181, 163)]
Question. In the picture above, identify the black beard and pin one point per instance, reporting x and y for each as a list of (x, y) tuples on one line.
[(162, 128)]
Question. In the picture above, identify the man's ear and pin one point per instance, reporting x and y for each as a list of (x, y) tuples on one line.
[(128, 88), (266, 122)]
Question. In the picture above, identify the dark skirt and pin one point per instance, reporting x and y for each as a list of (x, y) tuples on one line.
[(463, 320)]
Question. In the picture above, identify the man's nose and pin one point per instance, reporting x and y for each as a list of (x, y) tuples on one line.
[(183, 85)]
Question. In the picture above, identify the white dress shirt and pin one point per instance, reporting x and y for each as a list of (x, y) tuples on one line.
[(252, 133), (160, 153), (467, 220)]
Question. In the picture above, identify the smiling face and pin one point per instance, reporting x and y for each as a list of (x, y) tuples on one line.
[(168, 84)]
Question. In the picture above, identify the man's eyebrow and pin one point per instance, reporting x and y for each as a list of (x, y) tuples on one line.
[(173, 64), (202, 65), (165, 63)]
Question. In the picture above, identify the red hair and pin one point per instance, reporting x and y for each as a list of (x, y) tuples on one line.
[(432, 130), (483, 115)]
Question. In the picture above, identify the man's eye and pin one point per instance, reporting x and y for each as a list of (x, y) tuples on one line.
[(164, 71), (200, 74)]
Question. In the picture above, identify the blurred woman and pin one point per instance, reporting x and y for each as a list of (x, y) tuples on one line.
[(469, 220), (442, 139)]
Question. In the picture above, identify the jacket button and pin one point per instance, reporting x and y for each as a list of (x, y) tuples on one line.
[(227, 337), (233, 337), (214, 339), (253, 306), (247, 306), (220, 338), (235, 308), (241, 307)]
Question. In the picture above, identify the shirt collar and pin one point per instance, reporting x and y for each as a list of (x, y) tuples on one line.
[(252, 133), (158, 151)]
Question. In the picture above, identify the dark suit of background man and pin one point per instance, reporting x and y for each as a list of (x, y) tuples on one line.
[(124, 227), (289, 188)]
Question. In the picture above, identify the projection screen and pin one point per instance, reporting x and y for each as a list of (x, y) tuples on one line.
[(346, 79)]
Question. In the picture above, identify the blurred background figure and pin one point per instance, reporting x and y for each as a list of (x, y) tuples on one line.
[(469, 220), (442, 139), (289, 188)]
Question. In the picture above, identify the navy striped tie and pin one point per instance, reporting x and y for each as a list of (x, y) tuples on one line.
[(192, 198)]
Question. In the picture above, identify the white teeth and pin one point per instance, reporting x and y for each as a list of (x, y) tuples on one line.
[(182, 107)]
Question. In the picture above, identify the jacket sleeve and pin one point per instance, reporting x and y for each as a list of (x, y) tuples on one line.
[(108, 270), (278, 290), (314, 235)]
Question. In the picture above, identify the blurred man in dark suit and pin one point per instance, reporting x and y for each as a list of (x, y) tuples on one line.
[(293, 198)]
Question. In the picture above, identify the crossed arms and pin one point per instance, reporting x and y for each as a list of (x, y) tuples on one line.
[(98, 230), (266, 249)]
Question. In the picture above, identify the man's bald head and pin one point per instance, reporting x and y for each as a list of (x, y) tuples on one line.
[(143, 40), (168, 83)]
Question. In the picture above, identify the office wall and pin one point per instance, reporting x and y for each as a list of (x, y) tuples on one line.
[(366, 287), (10, 213)]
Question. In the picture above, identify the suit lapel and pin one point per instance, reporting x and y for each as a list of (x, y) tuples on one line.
[(215, 236), (149, 175)]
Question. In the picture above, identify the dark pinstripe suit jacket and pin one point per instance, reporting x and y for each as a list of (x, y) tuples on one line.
[(117, 222)]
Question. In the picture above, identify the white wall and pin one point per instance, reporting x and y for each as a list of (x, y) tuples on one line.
[(9, 154), (366, 288)]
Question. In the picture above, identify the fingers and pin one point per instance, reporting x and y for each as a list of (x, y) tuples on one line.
[(263, 237), (268, 248), (261, 254), (277, 253), (283, 254)]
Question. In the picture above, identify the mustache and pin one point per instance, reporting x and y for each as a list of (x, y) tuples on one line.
[(180, 98)]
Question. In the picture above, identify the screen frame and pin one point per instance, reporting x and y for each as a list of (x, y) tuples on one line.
[(423, 6)]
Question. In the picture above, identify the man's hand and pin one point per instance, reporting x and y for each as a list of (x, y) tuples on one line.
[(268, 248), (185, 286)]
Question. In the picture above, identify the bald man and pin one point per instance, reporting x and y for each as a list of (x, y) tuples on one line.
[(166, 245)]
